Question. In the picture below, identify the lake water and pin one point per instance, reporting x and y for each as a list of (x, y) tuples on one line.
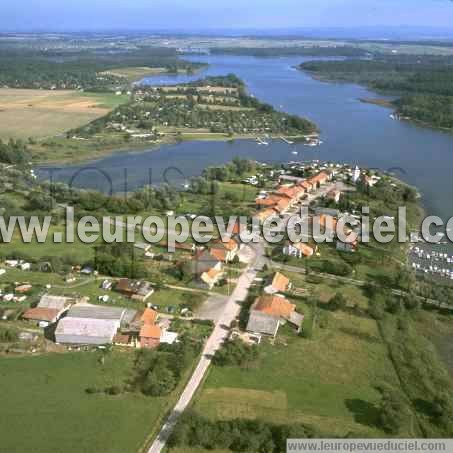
[(352, 131)]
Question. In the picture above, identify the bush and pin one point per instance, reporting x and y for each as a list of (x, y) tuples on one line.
[(235, 353), (114, 390), (159, 382), (337, 302), (8, 335)]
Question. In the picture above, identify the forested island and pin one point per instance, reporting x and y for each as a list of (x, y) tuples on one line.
[(424, 84)]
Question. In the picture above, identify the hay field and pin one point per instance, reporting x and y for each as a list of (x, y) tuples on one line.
[(43, 113)]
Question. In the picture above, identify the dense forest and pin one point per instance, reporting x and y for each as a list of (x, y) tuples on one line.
[(318, 51), (425, 83), (80, 69)]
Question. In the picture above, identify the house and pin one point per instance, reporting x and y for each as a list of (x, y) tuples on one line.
[(56, 302), (42, 316), (298, 250), (168, 337), (347, 246), (238, 228), (326, 222), (49, 310), (306, 185), (25, 266), (279, 284), (274, 305), (265, 214), (135, 290), (262, 324), (206, 268), (371, 181), (150, 336), (224, 251), (86, 270), (334, 195), (149, 316), (267, 202), (25, 288), (319, 180), (211, 277), (290, 179), (122, 339), (327, 211), (269, 311)]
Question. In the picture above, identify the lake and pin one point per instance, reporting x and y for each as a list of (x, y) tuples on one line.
[(352, 131)]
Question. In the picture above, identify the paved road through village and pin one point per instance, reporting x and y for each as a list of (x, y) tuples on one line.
[(218, 336)]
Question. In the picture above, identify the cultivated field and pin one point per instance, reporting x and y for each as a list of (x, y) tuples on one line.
[(44, 113)]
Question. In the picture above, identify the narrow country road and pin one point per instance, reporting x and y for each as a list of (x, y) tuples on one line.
[(218, 336)]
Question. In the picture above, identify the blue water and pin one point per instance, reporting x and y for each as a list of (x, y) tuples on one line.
[(352, 131)]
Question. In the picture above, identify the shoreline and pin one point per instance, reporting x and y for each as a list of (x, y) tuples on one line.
[(155, 146), (375, 101)]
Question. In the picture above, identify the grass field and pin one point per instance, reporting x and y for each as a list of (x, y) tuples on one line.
[(328, 381), (135, 73), (42, 113), (45, 408)]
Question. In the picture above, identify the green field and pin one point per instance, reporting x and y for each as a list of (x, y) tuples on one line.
[(45, 408), (327, 381)]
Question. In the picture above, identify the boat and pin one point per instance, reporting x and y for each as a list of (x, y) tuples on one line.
[(289, 142), (295, 152), (260, 141)]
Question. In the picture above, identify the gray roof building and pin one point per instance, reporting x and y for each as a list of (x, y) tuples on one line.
[(327, 211), (262, 323), (89, 311), (296, 319), (54, 302), (86, 331)]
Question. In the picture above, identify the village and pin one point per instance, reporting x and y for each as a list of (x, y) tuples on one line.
[(77, 321)]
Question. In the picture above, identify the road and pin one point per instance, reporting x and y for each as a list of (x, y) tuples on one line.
[(218, 336)]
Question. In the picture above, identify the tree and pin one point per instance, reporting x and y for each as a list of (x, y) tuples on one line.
[(338, 302), (159, 382), (394, 411), (235, 353)]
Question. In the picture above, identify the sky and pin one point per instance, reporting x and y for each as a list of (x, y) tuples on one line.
[(73, 15)]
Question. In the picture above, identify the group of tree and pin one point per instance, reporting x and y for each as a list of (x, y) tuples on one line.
[(236, 353), (158, 371), (238, 435), (14, 152), (425, 82), (119, 260)]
